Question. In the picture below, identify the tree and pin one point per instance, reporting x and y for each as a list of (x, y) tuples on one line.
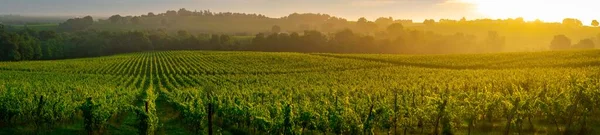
[(365, 26), (183, 34), (88, 21), (344, 41), (584, 44), (51, 46), (276, 29), (384, 22), (362, 20), (224, 41), (150, 14), (9, 48), (495, 42), (314, 41), (46, 35), (184, 12), (258, 42), (572, 22), (595, 23), (76, 24), (429, 22), (133, 42), (115, 19), (136, 20), (520, 20), (171, 13), (395, 29), (327, 27), (560, 42)]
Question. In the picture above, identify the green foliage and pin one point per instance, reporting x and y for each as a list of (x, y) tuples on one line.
[(595, 23), (572, 22), (76, 24), (64, 100), (431, 37), (394, 37), (585, 44), (276, 29), (49, 45), (429, 22), (296, 93), (147, 117), (395, 29), (92, 123), (560, 42)]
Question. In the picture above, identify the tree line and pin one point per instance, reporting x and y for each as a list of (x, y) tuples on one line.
[(30, 20), (45, 45), (395, 40), (48, 45), (562, 42), (206, 21), (241, 24), (29, 44)]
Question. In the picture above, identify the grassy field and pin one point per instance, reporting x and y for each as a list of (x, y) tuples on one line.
[(296, 93)]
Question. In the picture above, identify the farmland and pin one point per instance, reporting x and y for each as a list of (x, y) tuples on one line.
[(179, 92)]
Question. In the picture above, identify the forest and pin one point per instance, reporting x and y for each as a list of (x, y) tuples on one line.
[(86, 37)]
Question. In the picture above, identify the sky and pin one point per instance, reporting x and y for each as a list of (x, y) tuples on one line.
[(547, 10)]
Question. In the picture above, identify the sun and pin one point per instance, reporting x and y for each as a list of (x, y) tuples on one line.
[(546, 10)]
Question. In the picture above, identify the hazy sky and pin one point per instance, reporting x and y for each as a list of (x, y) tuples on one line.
[(550, 10)]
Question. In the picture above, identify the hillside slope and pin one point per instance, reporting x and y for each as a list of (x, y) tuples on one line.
[(281, 93)]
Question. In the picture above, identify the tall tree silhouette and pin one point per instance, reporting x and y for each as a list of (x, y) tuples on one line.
[(276, 29), (560, 42), (572, 22), (584, 44), (595, 23)]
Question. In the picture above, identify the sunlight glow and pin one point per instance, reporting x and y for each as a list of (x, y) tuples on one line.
[(546, 10)]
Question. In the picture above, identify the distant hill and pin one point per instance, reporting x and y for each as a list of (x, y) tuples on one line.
[(236, 23), (31, 20)]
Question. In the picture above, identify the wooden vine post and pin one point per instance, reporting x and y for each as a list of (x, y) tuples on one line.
[(210, 110)]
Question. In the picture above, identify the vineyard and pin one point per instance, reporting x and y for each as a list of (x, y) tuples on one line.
[(201, 92)]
